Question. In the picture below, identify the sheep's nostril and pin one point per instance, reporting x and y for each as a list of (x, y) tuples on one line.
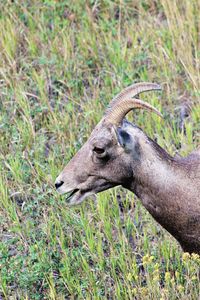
[(58, 184)]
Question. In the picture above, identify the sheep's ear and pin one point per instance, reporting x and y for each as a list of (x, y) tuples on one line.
[(123, 137), (129, 143)]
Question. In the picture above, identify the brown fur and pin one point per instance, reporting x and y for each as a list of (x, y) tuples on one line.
[(169, 187)]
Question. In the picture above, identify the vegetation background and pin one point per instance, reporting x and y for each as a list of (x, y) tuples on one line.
[(61, 62)]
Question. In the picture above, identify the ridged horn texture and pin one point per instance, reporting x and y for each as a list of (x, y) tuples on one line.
[(124, 102)]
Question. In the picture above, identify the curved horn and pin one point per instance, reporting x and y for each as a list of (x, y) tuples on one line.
[(122, 103), (118, 112), (135, 89)]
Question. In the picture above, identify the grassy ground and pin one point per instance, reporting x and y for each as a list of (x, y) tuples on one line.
[(60, 64)]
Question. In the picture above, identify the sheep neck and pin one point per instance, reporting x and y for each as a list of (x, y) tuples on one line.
[(166, 188)]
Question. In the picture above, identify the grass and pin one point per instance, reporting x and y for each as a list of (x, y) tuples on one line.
[(61, 63)]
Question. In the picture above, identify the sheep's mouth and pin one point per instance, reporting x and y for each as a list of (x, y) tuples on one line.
[(72, 194), (77, 196)]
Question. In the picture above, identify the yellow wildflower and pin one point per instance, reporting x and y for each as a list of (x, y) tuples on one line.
[(172, 280), (194, 277), (177, 274), (156, 266), (186, 256), (180, 288), (134, 291), (147, 259), (129, 277), (167, 276), (195, 256), (151, 258), (144, 291)]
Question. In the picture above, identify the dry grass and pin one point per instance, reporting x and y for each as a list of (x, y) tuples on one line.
[(61, 63)]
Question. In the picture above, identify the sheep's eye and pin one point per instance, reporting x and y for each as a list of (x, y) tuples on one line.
[(98, 150)]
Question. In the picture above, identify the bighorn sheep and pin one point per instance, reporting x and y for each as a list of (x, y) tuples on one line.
[(120, 153)]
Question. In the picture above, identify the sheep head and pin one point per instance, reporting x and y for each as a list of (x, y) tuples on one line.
[(104, 161)]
